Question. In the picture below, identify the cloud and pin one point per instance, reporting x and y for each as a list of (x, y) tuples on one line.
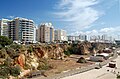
[(112, 31), (11, 17), (79, 13), (92, 32), (105, 30), (76, 33), (108, 31)]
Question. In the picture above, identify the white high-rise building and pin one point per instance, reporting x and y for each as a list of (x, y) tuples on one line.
[(4, 27), (21, 30), (72, 38), (45, 33), (77, 38), (35, 32), (102, 38), (83, 37), (60, 35)]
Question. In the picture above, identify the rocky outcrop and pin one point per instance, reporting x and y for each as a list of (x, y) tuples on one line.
[(55, 52), (50, 51), (41, 52), (84, 48), (35, 57), (21, 60), (58, 53), (32, 61)]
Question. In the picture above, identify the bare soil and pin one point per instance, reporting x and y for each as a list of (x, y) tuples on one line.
[(68, 63)]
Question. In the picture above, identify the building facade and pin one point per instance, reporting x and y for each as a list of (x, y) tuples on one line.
[(37, 34), (102, 38), (46, 33), (21, 30), (83, 37), (73, 38), (77, 38), (4, 27), (60, 35)]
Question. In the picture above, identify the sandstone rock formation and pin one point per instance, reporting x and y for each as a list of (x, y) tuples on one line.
[(34, 57), (21, 60), (50, 51)]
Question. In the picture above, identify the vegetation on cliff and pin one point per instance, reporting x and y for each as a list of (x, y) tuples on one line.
[(15, 58), (7, 69), (5, 41)]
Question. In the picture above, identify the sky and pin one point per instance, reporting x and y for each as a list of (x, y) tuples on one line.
[(91, 17)]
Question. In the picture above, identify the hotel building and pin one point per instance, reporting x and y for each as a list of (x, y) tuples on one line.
[(45, 33), (60, 35), (21, 30), (81, 38), (4, 27)]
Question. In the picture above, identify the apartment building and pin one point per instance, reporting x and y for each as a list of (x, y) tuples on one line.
[(4, 27), (45, 32), (73, 38), (37, 34), (60, 35), (81, 37), (102, 38), (21, 30)]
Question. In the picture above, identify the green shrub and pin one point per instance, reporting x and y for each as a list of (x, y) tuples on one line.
[(4, 71), (3, 53), (12, 52), (5, 41), (15, 71), (43, 64), (81, 60), (118, 76), (30, 49), (15, 46), (68, 53), (8, 69)]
